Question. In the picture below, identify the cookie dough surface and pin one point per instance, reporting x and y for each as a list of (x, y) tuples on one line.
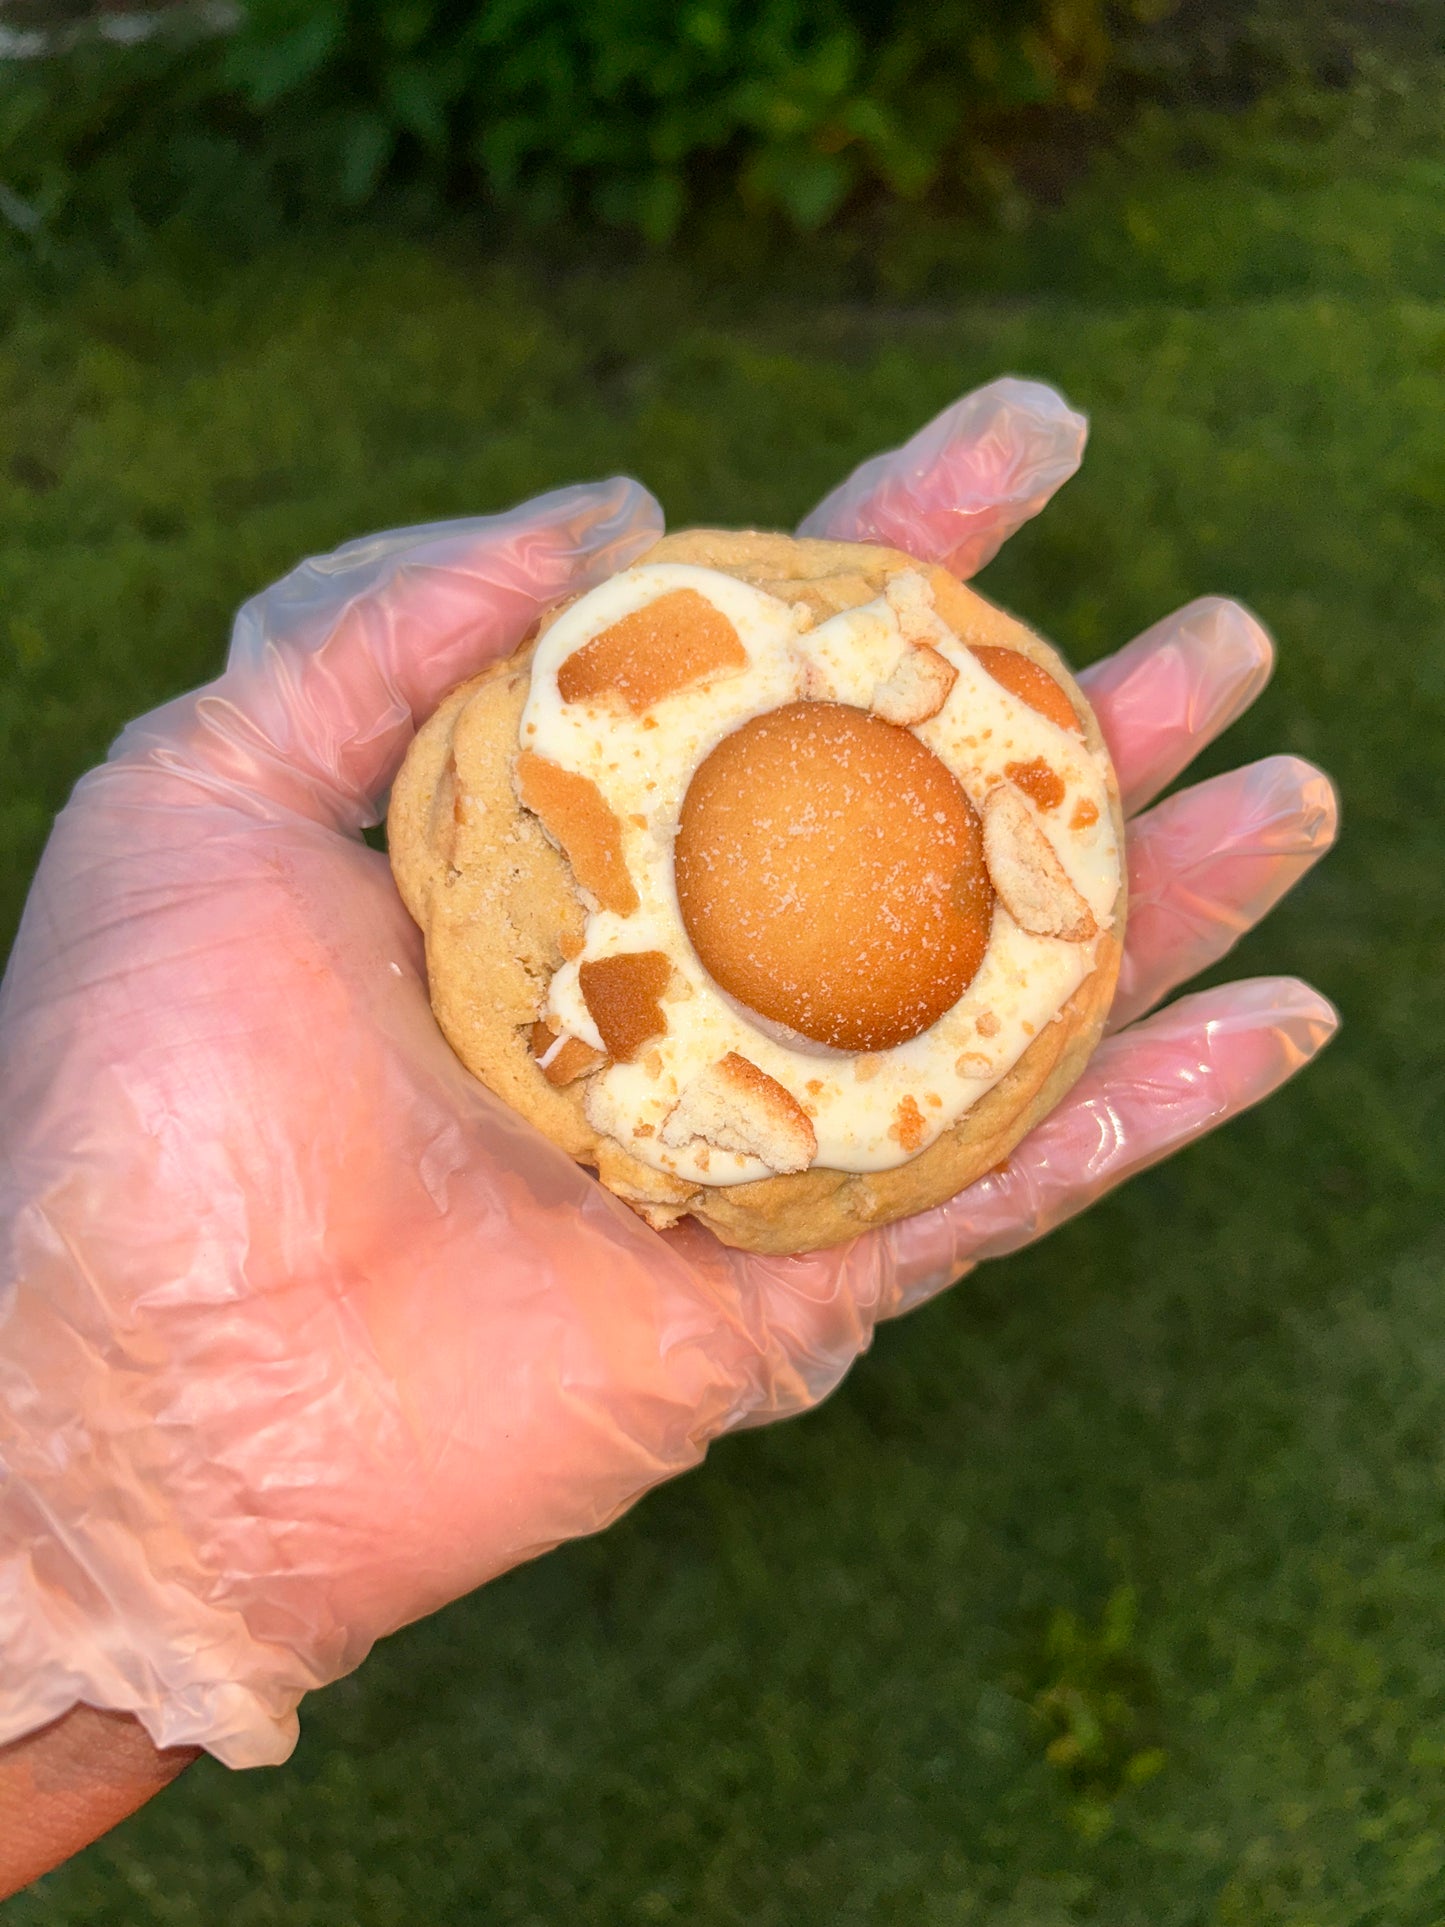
[(498, 905)]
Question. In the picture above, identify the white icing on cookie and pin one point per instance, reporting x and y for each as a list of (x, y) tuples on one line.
[(868, 1113)]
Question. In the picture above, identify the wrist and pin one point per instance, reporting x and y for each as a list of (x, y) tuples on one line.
[(70, 1782)]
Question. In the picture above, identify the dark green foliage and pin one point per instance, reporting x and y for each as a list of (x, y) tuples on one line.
[(649, 116), (815, 1684), (550, 108)]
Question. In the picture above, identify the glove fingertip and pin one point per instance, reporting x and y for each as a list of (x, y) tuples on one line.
[(964, 482)]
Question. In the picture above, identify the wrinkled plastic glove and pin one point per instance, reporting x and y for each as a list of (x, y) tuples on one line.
[(302, 1332)]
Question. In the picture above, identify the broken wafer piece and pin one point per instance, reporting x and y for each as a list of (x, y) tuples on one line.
[(1021, 676), (1026, 873), (733, 1106), (917, 689), (562, 1058), (623, 995), (668, 644), (910, 597), (575, 815)]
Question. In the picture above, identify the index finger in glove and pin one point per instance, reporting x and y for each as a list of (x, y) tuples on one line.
[(1205, 866), (958, 489), (331, 670), (1164, 696), (1147, 1092)]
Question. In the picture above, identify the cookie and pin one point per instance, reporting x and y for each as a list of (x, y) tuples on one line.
[(780, 881)]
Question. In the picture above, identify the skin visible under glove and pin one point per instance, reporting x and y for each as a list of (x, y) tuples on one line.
[(304, 1334)]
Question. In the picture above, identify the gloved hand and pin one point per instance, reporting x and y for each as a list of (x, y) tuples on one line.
[(302, 1333)]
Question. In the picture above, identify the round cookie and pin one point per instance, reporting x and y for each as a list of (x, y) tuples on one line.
[(472, 853)]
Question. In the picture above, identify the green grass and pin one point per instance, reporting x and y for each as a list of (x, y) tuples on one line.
[(1172, 1483)]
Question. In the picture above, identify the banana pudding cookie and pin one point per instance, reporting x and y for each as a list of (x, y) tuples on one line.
[(780, 881)]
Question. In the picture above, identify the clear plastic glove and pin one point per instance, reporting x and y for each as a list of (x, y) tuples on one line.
[(302, 1333)]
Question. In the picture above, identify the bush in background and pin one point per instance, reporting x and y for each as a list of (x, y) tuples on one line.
[(636, 114), (630, 113)]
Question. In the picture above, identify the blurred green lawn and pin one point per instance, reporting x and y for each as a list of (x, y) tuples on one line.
[(1172, 1484)]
